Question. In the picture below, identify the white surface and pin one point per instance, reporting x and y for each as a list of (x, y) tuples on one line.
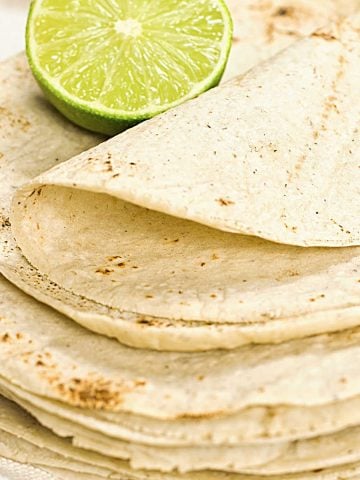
[(12, 26)]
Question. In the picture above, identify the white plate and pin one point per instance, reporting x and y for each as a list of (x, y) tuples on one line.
[(12, 26)]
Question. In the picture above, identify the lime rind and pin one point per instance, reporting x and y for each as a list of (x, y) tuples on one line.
[(107, 120)]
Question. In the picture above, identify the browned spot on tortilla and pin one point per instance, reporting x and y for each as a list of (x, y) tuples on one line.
[(319, 297), (236, 39), (284, 12), (109, 167), (85, 391), (291, 228), (202, 264), (225, 202), (213, 295), (329, 107), (200, 378), (215, 257), (104, 271), (114, 258), (1, 155), (5, 222), (121, 264), (287, 274), (5, 338), (15, 121), (331, 101), (95, 393), (293, 273), (270, 31), (154, 323), (343, 380), (341, 72), (341, 227), (200, 416), (149, 296), (329, 37), (297, 168), (267, 316), (288, 20)]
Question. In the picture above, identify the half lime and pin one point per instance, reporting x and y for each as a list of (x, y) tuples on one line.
[(109, 64)]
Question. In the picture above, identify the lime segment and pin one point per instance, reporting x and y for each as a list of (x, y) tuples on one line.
[(108, 64)]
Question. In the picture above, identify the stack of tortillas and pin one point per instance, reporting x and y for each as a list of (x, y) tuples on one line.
[(199, 275)]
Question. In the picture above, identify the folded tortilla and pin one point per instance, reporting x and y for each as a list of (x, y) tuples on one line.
[(263, 28), (155, 281)]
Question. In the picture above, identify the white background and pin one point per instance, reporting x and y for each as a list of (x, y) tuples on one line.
[(12, 26)]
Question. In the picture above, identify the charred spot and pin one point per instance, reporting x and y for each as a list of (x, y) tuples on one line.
[(109, 167), (114, 258), (96, 393), (104, 271), (284, 12), (143, 321), (5, 338), (6, 223), (325, 36), (225, 202)]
